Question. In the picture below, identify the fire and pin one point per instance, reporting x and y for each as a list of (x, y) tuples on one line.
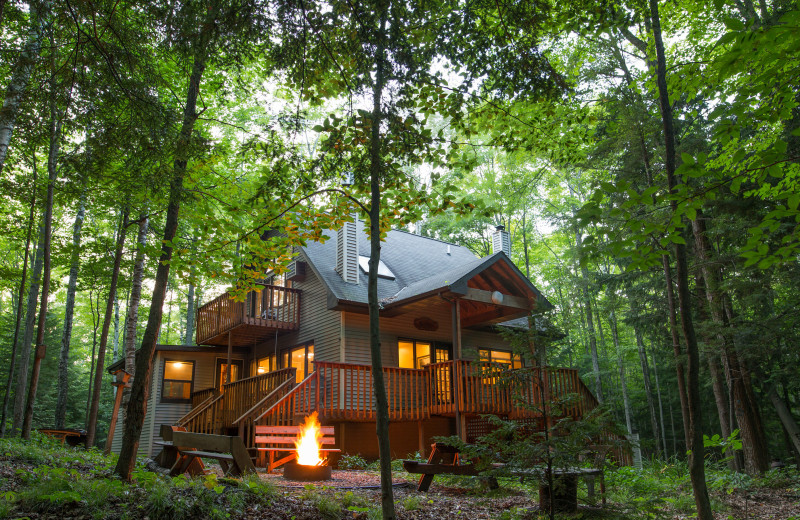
[(307, 443)]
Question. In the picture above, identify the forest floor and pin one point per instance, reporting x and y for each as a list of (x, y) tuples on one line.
[(40, 479)]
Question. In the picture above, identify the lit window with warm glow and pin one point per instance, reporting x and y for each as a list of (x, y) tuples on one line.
[(413, 354), (301, 358), (266, 364), (502, 357), (177, 382)]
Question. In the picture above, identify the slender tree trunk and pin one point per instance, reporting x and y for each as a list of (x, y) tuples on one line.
[(786, 418), (754, 446), (15, 92), (63, 360), (115, 334), (190, 309), (20, 299), (91, 429), (625, 398), (680, 369), (137, 405), (52, 159), (660, 405), (94, 307), (132, 317), (598, 383), (695, 433), (648, 387), (376, 167), (27, 338)]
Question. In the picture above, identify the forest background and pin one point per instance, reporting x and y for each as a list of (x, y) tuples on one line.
[(643, 157)]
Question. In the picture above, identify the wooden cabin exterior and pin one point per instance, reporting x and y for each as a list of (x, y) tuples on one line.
[(300, 344)]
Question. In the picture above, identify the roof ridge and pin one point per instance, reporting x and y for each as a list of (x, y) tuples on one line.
[(431, 238)]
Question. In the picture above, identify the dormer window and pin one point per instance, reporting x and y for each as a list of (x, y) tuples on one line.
[(383, 271)]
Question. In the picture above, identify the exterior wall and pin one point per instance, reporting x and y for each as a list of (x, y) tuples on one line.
[(402, 327), (359, 438), (317, 324), (159, 413)]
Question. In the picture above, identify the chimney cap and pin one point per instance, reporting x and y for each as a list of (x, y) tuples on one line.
[(500, 227)]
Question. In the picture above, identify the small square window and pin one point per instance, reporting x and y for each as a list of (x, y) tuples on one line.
[(178, 381)]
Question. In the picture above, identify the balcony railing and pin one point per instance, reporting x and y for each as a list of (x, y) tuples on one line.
[(264, 311)]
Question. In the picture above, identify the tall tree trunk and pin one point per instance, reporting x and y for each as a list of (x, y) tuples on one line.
[(132, 316), (52, 158), (94, 308), (20, 298), (137, 404), (661, 405), (91, 429), (626, 402), (376, 167), (115, 334), (27, 338), (786, 418), (695, 433), (680, 369), (63, 360), (754, 446), (648, 387), (587, 302), (190, 310), (15, 92)]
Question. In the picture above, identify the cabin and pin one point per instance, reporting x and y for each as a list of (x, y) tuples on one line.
[(300, 344)]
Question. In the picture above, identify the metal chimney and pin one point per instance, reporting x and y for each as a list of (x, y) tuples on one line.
[(501, 241)]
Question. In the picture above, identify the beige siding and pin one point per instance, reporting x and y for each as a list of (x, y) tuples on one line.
[(317, 324), (399, 327), (159, 413)]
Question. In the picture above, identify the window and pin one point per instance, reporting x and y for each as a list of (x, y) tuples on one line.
[(221, 376), (383, 271), (178, 380), (502, 357), (301, 358), (413, 354), (266, 364)]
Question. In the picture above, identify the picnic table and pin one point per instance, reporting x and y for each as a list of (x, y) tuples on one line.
[(445, 459), (71, 436)]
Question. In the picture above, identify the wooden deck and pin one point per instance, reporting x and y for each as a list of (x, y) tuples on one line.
[(343, 392), (263, 313)]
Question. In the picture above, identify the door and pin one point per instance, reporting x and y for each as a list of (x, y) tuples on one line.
[(221, 374)]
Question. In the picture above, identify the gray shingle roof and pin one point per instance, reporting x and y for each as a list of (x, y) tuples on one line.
[(420, 264)]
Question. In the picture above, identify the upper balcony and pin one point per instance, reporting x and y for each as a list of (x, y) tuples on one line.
[(223, 321)]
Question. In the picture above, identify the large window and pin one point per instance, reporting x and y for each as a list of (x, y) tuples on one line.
[(501, 356), (176, 386)]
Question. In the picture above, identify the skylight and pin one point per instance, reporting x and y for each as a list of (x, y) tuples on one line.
[(383, 271)]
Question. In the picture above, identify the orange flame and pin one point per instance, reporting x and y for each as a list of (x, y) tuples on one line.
[(307, 443)]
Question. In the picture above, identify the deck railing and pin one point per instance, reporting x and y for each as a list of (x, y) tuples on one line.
[(220, 412), (271, 307), (344, 391)]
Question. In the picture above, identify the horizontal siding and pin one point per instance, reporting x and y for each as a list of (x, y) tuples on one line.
[(317, 324), (357, 348), (159, 413)]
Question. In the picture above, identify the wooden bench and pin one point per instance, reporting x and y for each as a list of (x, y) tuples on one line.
[(281, 439), (228, 450)]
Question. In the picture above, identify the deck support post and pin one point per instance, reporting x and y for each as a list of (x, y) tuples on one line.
[(460, 430), (121, 382), (421, 434), (230, 352)]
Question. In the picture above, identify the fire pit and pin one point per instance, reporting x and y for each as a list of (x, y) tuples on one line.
[(309, 465), (295, 471)]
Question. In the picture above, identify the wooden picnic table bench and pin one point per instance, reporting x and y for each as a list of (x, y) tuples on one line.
[(71, 436), (229, 451), (445, 459), (281, 439)]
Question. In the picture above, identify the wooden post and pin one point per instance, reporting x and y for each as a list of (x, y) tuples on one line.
[(421, 433), (230, 352), (120, 384), (460, 430)]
